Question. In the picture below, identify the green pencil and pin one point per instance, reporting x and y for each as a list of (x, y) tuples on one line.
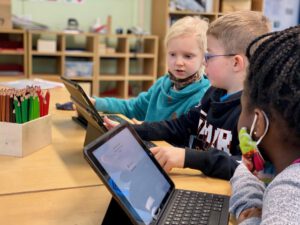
[(36, 106), (31, 108), (24, 107), (17, 110)]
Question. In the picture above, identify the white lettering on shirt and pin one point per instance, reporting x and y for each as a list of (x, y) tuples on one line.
[(213, 137)]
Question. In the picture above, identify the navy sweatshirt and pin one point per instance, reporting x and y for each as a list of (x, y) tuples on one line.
[(213, 123)]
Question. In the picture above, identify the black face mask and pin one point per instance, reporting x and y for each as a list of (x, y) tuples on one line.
[(182, 83)]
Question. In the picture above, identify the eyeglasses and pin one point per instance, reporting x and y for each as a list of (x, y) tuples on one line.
[(208, 56)]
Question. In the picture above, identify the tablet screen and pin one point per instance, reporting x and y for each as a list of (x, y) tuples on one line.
[(133, 176)]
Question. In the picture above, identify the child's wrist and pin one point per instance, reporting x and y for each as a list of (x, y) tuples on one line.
[(248, 213)]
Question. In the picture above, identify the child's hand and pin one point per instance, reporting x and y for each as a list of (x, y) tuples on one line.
[(110, 123), (247, 213), (135, 121), (169, 157)]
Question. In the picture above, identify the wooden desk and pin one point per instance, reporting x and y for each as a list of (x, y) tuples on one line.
[(59, 165), (55, 185)]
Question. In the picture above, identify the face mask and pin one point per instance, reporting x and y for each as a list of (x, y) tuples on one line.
[(182, 83), (252, 158)]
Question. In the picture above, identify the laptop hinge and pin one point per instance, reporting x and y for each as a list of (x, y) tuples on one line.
[(91, 134), (115, 215), (171, 197)]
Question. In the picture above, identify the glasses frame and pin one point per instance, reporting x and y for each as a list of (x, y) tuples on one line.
[(208, 56)]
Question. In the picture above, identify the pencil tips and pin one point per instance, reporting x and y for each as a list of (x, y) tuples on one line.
[(21, 106)]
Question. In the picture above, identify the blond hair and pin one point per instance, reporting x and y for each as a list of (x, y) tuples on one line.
[(187, 26), (236, 30)]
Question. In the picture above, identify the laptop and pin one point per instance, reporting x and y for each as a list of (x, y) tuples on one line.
[(143, 189), (88, 115)]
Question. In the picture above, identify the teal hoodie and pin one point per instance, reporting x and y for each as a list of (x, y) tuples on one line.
[(160, 102)]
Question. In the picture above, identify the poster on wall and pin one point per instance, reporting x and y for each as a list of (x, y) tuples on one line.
[(282, 13)]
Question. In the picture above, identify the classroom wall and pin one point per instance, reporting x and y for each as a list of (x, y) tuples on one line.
[(55, 13), (282, 13)]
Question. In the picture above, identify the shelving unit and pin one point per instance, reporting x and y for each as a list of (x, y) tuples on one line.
[(112, 65), (43, 63), (13, 55), (80, 52), (163, 16), (128, 66)]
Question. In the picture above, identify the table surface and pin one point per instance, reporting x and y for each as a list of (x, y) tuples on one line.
[(55, 185)]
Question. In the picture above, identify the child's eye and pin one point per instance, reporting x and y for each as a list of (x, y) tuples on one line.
[(172, 54), (188, 56)]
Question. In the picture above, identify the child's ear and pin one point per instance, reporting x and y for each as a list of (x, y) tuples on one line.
[(238, 63), (260, 125)]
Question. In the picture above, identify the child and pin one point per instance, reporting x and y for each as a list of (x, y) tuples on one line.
[(214, 121), (271, 108), (174, 93)]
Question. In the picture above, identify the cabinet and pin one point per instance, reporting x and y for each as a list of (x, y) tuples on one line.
[(55, 54), (105, 65), (13, 56), (126, 64), (163, 15), (43, 61)]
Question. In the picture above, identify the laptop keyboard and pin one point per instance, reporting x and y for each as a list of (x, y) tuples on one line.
[(193, 208)]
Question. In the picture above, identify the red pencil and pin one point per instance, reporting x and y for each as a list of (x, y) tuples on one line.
[(7, 107), (3, 106), (41, 100), (46, 103)]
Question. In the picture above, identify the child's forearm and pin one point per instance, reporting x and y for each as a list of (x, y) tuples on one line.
[(247, 191), (214, 162)]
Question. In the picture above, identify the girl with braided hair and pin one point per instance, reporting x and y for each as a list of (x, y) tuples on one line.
[(266, 187)]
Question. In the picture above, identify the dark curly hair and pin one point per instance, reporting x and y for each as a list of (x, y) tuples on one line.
[(273, 80)]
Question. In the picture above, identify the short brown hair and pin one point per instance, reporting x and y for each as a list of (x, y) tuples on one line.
[(236, 30), (189, 25)]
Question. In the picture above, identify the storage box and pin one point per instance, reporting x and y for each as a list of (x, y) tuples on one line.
[(46, 45), (78, 68), (110, 50), (235, 5), (23, 139), (102, 48), (5, 14)]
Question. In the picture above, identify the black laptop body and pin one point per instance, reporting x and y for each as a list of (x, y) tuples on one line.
[(143, 189)]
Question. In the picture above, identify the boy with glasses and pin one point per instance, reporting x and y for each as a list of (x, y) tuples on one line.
[(213, 123)]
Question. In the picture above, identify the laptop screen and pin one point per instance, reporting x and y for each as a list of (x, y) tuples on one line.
[(132, 174)]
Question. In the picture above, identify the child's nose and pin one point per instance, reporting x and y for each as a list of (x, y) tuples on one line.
[(179, 61)]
